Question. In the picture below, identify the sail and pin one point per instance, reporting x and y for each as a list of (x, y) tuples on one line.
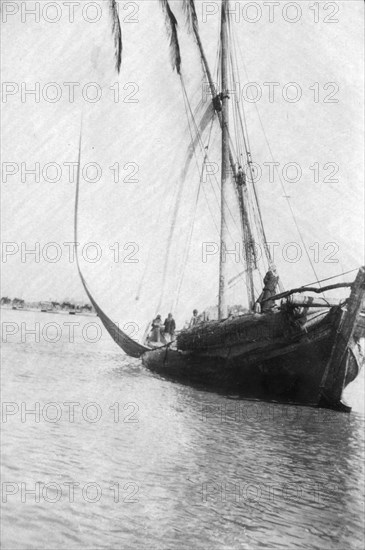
[(157, 199), (169, 209), (128, 345)]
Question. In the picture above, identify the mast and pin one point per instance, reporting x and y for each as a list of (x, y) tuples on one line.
[(223, 275), (249, 252)]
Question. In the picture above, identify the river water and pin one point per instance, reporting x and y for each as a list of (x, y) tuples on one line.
[(113, 456)]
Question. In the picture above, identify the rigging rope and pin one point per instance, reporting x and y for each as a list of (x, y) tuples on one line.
[(244, 214), (260, 225), (198, 139), (187, 248), (334, 277), (281, 182), (204, 152)]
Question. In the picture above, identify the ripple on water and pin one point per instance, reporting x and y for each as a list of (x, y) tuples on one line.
[(244, 475)]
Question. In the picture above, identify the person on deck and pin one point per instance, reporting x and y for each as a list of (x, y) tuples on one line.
[(194, 319), (156, 329), (271, 280), (170, 327)]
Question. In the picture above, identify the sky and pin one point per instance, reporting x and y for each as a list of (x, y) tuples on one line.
[(142, 133)]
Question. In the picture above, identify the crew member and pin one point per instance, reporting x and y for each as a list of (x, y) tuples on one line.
[(170, 327), (271, 280), (156, 329), (194, 319)]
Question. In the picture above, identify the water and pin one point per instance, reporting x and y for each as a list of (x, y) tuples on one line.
[(173, 467)]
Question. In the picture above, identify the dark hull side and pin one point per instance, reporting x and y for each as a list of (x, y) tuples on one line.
[(281, 356), (293, 373)]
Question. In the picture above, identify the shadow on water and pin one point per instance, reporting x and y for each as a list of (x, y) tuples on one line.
[(285, 472), (211, 471), (126, 366), (250, 471)]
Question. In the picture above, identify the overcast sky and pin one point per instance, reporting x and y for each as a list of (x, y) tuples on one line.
[(151, 135)]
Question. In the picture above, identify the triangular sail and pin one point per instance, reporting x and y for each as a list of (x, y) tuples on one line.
[(128, 345)]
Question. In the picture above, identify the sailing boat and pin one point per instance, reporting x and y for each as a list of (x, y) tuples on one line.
[(297, 348)]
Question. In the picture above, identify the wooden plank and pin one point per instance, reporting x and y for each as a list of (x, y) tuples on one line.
[(314, 301), (307, 289)]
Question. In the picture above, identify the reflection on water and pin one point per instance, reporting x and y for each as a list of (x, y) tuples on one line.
[(115, 457)]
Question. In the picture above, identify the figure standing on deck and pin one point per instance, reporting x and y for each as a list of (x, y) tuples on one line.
[(170, 326), (271, 280), (155, 335), (194, 319)]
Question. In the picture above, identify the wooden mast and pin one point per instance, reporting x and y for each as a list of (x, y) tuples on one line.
[(241, 193), (223, 275)]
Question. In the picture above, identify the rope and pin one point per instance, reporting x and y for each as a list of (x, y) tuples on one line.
[(204, 152), (281, 182), (187, 248), (259, 222), (334, 277), (205, 158)]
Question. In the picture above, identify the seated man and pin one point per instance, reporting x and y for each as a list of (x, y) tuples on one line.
[(271, 280)]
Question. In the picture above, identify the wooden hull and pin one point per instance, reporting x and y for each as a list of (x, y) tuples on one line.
[(294, 375), (277, 357)]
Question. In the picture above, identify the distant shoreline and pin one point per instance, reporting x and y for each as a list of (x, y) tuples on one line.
[(54, 311)]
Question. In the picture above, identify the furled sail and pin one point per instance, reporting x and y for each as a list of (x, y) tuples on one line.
[(128, 345)]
